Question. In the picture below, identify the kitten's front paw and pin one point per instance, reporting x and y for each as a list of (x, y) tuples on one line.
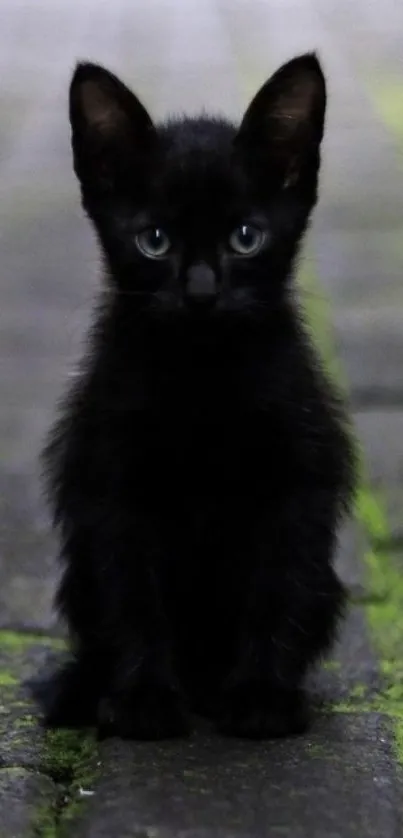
[(68, 697), (148, 712), (254, 710)]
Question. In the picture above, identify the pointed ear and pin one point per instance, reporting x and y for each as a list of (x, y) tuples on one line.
[(109, 125), (285, 120)]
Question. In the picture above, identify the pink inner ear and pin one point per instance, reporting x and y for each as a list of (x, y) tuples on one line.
[(100, 109)]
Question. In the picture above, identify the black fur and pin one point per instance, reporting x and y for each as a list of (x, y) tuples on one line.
[(202, 460)]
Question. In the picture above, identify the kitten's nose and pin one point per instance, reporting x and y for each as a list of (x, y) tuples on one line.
[(201, 286)]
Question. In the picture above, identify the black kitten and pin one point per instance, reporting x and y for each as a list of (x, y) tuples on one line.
[(202, 461)]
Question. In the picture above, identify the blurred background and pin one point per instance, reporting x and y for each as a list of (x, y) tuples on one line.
[(184, 55)]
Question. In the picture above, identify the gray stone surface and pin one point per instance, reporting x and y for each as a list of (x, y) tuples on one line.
[(43, 775), (342, 779), (308, 789), (26, 802), (28, 793)]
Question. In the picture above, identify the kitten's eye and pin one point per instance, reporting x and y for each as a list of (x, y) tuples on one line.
[(246, 240), (153, 242)]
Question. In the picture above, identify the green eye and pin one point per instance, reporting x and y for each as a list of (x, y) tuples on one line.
[(246, 240), (153, 242)]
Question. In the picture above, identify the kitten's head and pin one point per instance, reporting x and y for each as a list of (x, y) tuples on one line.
[(198, 218)]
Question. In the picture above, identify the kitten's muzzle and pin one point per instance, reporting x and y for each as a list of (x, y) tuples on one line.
[(201, 288)]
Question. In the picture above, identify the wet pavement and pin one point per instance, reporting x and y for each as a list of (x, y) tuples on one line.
[(344, 778)]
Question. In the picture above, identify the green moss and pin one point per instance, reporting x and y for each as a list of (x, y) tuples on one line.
[(385, 617), (358, 691), (45, 823), (7, 679), (27, 720), (371, 514), (19, 642), (342, 707), (70, 757)]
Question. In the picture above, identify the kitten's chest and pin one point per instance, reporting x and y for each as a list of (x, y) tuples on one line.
[(212, 459)]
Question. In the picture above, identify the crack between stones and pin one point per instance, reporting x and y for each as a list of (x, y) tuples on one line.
[(72, 764)]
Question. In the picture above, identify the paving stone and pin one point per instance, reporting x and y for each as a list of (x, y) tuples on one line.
[(42, 774), (27, 803), (21, 738), (28, 794), (309, 788)]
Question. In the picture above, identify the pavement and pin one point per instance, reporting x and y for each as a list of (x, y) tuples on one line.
[(345, 777)]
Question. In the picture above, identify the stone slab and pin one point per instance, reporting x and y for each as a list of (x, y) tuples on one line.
[(213, 789), (28, 802)]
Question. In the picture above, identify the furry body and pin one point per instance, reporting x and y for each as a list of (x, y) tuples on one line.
[(201, 462)]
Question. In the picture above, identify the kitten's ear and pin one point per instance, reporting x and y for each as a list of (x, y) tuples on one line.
[(285, 120), (109, 124)]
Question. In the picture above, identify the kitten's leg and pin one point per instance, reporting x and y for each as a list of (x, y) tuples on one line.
[(294, 602), (70, 696), (117, 618), (145, 701)]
